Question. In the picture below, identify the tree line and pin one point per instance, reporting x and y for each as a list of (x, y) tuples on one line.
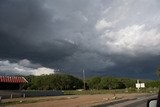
[(69, 82), (53, 82)]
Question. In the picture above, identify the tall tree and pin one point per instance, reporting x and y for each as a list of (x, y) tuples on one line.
[(158, 71), (94, 82)]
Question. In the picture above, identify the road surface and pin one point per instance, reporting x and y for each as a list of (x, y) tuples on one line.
[(135, 102), (101, 100)]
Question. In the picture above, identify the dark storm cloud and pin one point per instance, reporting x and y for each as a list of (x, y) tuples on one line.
[(25, 27), (99, 36)]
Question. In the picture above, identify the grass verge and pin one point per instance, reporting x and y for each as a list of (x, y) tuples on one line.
[(116, 91), (32, 100)]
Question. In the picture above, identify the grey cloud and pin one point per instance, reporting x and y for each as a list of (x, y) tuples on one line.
[(95, 35), (27, 63), (86, 61), (23, 67), (25, 32)]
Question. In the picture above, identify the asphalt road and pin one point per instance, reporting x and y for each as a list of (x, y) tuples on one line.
[(142, 103), (136, 102)]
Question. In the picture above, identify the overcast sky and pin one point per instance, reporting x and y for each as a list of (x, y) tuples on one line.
[(103, 37)]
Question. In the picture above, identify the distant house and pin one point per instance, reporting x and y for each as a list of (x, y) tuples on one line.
[(11, 82)]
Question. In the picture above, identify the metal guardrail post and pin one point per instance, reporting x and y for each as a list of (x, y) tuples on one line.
[(24, 95), (11, 96), (0, 98)]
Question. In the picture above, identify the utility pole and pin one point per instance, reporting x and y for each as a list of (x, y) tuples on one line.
[(84, 80)]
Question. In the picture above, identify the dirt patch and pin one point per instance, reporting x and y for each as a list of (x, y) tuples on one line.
[(73, 101)]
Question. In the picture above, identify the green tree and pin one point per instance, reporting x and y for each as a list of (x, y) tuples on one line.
[(158, 71), (128, 82), (153, 84), (54, 81), (111, 83), (94, 83)]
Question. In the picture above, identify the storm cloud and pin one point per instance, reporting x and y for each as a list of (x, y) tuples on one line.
[(103, 37), (23, 67)]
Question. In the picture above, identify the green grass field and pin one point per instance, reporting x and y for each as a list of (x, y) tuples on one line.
[(129, 90)]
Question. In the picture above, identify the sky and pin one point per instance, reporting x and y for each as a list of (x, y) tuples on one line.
[(103, 37)]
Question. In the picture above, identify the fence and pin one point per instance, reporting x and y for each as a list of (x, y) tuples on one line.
[(32, 93)]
